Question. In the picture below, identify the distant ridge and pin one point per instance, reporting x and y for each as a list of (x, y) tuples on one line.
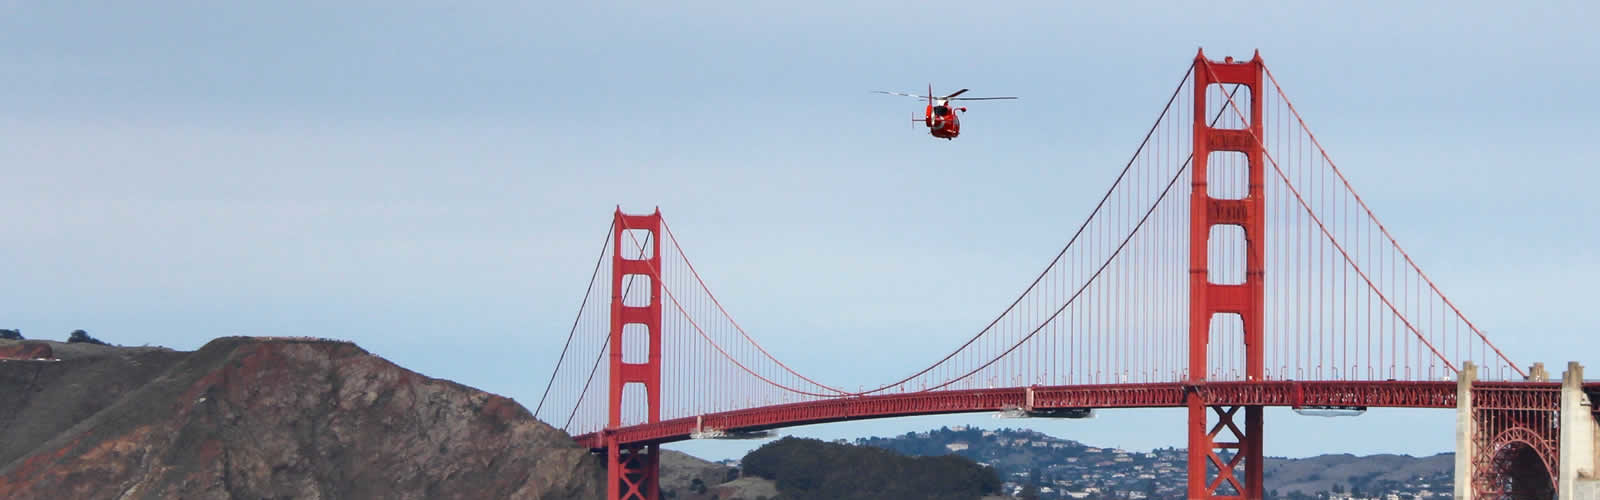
[(1068, 465)]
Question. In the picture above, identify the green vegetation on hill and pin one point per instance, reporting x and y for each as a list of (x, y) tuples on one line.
[(78, 336), (807, 469)]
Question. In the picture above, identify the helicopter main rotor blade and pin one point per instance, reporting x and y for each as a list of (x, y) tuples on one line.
[(978, 98), (958, 92), (900, 93)]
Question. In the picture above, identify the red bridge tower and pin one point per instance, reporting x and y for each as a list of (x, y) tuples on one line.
[(633, 471), (1219, 449)]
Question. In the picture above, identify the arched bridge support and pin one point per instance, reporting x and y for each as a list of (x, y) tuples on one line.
[(1525, 441)]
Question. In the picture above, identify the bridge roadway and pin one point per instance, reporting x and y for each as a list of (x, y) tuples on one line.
[(1370, 394)]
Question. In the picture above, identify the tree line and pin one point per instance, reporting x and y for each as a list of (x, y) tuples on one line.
[(809, 469), (77, 336)]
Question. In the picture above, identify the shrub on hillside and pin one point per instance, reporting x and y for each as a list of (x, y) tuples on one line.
[(10, 334), (83, 337)]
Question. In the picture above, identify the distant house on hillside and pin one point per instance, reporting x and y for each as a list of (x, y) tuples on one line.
[(957, 446)]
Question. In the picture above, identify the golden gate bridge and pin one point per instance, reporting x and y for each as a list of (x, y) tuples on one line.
[(1231, 266)]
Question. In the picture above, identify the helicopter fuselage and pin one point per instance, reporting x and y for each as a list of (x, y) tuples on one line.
[(942, 121)]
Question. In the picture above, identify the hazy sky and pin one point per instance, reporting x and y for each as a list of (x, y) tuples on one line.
[(433, 182)]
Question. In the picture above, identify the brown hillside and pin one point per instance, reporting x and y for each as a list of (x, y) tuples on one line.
[(269, 418), (680, 470)]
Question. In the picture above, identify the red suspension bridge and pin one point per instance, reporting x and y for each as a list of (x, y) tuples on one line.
[(1231, 266)]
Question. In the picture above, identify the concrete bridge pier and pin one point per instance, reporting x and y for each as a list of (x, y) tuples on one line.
[(1577, 439), (1576, 478), (1465, 426)]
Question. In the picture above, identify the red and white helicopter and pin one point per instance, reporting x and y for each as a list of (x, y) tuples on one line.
[(940, 117)]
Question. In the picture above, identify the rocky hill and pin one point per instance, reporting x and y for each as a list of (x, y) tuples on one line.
[(266, 418)]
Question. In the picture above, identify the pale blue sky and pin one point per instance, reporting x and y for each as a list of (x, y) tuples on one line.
[(432, 182)]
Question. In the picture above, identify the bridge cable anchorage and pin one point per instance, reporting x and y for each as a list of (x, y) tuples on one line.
[(1374, 217), (674, 239), (603, 345), (1059, 255), (696, 325), (1324, 228), (587, 291)]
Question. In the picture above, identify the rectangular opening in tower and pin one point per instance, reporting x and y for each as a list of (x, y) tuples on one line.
[(636, 290), (637, 244), (1227, 175), (635, 404), (635, 343), (1225, 353), (1221, 113), (1226, 250)]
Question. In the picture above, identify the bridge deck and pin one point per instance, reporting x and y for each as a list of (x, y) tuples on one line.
[(1376, 394)]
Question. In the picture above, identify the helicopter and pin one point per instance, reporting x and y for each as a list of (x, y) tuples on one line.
[(939, 116)]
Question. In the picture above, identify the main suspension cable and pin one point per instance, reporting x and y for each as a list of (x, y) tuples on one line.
[(602, 354), (1098, 271), (696, 325), (1059, 255), (740, 329), (1324, 228), (1381, 228), (586, 292), (1120, 246)]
